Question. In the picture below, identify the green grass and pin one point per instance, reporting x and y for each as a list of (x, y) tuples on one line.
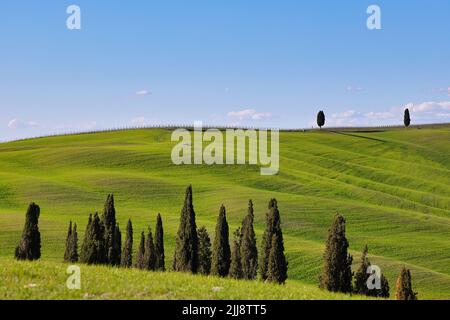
[(392, 186), (47, 280)]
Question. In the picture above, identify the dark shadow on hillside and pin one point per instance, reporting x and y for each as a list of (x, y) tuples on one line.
[(358, 136)]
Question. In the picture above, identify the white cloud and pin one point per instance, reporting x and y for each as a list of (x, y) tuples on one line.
[(18, 124), (425, 112), (141, 121), (142, 93), (249, 114), (84, 126), (353, 88), (443, 90), (430, 106)]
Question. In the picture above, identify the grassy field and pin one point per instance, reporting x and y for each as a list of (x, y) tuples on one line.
[(393, 187)]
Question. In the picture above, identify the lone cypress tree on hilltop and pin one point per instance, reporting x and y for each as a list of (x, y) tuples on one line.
[(140, 263), (236, 264), (204, 251), (249, 251), (221, 247), (337, 270), (186, 251), (273, 226), (93, 250), (277, 269), (159, 245), (321, 119), (29, 247), (407, 118), (127, 253), (404, 286), (149, 254), (112, 238)]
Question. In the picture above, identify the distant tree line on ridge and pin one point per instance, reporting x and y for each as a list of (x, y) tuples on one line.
[(102, 244)]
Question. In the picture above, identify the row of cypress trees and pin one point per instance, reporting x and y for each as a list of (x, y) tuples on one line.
[(240, 261), (337, 275), (102, 243)]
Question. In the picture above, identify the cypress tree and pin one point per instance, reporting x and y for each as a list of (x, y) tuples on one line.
[(236, 265), (204, 251), (117, 245), (404, 286), (321, 119), (277, 270), (186, 250), (94, 247), (361, 275), (337, 272), (140, 263), (273, 226), (407, 118), (361, 278), (221, 247), (159, 244), (29, 247), (384, 291), (127, 253), (73, 256), (112, 238), (86, 240), (149, 253), (67, 252), (249, 251)]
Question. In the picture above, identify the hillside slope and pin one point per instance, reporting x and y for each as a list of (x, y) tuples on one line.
[(392, 186)]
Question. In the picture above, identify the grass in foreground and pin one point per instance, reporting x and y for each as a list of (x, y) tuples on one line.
[(47, 280)]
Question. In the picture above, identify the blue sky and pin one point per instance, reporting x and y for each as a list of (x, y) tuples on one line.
[(262, 63)]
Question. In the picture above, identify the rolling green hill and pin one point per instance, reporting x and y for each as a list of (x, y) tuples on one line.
[(393, 187)]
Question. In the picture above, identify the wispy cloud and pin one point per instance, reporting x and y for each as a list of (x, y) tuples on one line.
[(353, 88), (424, 112), (249, 114), (20, 124), (142, 121), (443, 90), (142, 92)]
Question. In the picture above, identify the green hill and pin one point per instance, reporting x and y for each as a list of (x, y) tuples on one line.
[(393, 187)]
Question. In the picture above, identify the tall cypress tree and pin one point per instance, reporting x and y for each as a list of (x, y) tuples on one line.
[(86, 241), (321, 119), (277, 269), (113, 246), (149, 254), (249, 251), (29, 247), (127, 253), (204, 251), (117, 245), (68, 243), (186, 250), (140, 263), (404, 286), (73, 256), (337, 272), (273, 226), (221, 247), (94, 247), (159, 244), (407, 118), (361, 276), (236, 265)]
